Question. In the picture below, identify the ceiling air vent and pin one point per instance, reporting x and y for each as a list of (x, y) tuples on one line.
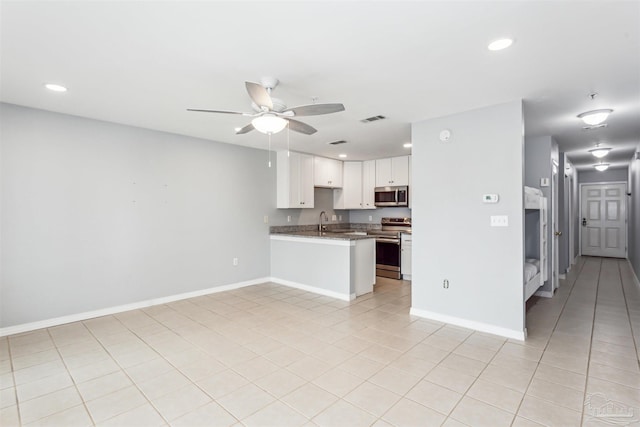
[(373, 119), (342, 141)]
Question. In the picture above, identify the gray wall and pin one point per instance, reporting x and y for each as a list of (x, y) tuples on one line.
[(323, 201), (539, 153), (452, 238), (634, 214), (96, 215), (362, 216), (610, 175)]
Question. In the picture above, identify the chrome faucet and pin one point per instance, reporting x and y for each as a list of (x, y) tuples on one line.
[(320, 226)]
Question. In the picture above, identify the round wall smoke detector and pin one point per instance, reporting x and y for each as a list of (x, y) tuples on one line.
[(445, 135)]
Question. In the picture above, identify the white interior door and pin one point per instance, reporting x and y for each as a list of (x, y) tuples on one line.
[(603, 219)]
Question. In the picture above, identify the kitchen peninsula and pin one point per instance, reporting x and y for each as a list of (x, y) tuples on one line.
[(335, 263)]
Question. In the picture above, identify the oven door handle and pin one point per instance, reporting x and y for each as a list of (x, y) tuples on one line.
[(393, 241)]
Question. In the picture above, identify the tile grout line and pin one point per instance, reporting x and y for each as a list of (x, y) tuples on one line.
[(626, 303), (593, 323), (555, 325), (15, 386)]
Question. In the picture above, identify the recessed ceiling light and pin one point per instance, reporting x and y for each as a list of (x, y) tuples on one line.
[(407, 145), (595, 117), (237, 129), (500, 44), (55, 87), (342, 156), (601, 167)]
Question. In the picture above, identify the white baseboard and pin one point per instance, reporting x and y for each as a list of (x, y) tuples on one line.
[(320, 291), (562, 276), (470, 324), (545, 294), (48, 323)]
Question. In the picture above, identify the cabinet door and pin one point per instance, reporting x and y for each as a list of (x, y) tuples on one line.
[(335, 173), (327, 172), (294, 180), (306, 178), (352, 185), (383, 173), (320, 177), (405, 258), (368, 184), (400, 170)]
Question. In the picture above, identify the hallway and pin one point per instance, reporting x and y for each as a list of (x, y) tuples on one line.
[(586, 340), (270, 355)]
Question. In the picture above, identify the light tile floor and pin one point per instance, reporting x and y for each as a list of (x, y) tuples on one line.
[(268, 355)]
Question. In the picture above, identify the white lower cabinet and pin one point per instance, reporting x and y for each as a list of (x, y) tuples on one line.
[(405, 256), (295, 180)]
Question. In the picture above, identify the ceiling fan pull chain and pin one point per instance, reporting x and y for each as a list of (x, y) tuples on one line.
[(269, 150), (288, 145)]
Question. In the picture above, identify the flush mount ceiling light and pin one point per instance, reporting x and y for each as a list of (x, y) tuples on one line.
[(599, 152), (55, 87), (269, 123), (601, 167), (595, 117), (407, 145), (342, 156), (500, 44)]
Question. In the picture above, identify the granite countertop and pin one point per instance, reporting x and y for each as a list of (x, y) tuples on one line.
[(330, 234), (341, 231)]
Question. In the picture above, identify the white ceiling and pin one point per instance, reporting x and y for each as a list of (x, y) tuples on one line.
[(143, 63)]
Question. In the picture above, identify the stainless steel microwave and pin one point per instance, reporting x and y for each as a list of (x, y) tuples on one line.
[(392, 196)]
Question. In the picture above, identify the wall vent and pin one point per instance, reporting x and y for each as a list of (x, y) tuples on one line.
[(373, 119), (342, 141)]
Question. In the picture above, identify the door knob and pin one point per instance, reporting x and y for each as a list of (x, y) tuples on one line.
[(584, 222), (558, 233)]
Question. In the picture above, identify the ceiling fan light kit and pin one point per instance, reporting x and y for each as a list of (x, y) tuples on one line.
[(595, 117), (269, 124)]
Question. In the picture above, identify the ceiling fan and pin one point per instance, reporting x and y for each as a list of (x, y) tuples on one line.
[(271, 115)]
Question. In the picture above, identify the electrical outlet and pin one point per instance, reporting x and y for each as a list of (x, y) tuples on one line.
[(266, 219), (235, 261), (370, 217), (445, 284), (339, 217), (288, 218), (334, 218), (499, 221)]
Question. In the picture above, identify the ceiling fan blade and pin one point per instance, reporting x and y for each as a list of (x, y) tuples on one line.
[(246, 129), (216, 111), (301, 127), (259, 95), (315, 109)]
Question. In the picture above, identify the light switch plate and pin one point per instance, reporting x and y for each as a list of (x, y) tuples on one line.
[(544, 182), (499, 221), (490, 198)]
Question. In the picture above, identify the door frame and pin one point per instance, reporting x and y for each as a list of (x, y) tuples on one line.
[(626, 213)]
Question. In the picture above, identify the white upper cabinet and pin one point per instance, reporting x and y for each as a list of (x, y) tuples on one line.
[(359, 181), (350, 196), (368, 184), (294, 180), (392, 171), (327, 172)]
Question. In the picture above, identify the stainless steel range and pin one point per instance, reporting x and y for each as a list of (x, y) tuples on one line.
[(388, 246)]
